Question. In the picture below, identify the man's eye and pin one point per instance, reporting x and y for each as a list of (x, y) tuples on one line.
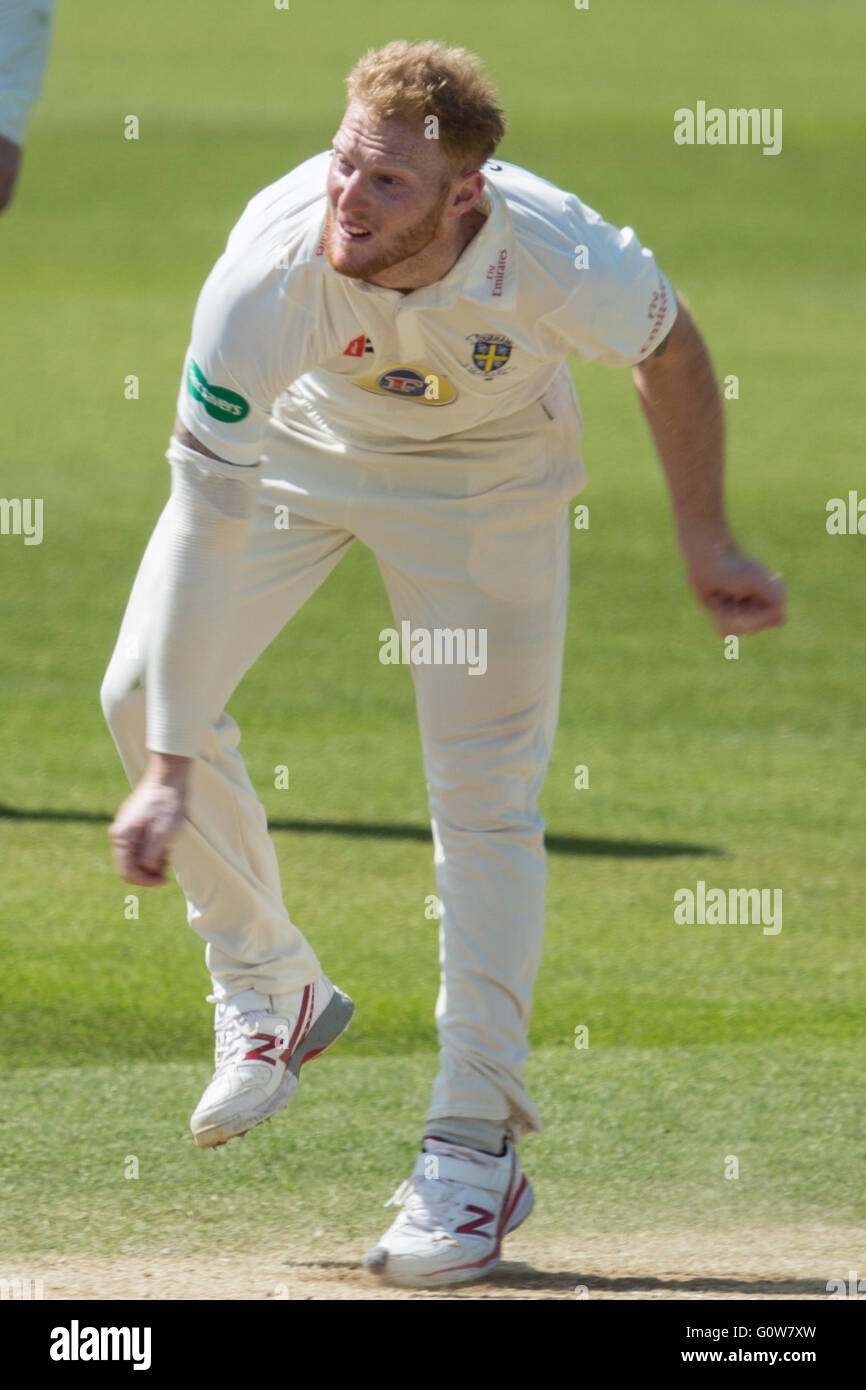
[(388, 178)]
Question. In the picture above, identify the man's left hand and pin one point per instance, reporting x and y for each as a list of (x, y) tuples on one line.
[(740, 594)]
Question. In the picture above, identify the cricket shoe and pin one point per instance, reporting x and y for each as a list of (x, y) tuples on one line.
[(262, 1041), (456, 1208)]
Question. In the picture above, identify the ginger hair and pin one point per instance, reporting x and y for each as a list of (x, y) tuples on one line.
[(408, 82)]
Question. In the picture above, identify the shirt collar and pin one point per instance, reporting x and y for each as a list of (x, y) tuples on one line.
[(486, 272)]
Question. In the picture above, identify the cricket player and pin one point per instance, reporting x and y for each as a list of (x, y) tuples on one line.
[(380, 354), (25, 37)]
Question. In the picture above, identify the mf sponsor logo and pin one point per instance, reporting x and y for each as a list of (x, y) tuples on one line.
[(414, 384), (22, 516), (439, 646), (739, 125), (77, 1343), (729, 907)]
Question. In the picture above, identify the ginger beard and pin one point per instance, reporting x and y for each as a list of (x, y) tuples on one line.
[(364, 259)]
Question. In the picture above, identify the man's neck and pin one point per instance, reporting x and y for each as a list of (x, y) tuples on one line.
[(431, 264)]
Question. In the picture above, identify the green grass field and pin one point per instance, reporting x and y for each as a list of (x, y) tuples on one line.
[(704, 1041)]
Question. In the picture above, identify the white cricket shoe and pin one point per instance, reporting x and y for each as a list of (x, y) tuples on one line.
[(457, 1206), (262, 1041)]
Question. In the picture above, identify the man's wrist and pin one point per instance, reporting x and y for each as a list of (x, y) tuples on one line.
[(168, 769), (697, 539)]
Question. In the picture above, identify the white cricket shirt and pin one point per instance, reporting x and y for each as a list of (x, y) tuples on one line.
[(276, 329)]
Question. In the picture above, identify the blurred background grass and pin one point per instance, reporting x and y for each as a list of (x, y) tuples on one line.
[(745, 773)]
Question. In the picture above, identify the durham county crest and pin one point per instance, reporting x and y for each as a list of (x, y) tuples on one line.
[(490, 352)]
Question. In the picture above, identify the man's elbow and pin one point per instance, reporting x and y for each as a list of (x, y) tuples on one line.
[(682, 344), (189, 441)]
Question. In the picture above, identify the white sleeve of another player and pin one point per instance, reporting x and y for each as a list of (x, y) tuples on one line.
[(620, 306), (25, 38), (211, 509)]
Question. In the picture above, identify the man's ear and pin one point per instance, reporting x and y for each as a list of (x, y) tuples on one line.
[(470, 191)]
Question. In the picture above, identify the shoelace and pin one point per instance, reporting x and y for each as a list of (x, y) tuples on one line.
[(434, 1199), (232, 1037)]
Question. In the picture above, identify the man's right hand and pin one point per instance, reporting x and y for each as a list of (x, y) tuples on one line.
[(148, 821)]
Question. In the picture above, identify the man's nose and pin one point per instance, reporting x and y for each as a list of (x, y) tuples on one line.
[(352, 196)]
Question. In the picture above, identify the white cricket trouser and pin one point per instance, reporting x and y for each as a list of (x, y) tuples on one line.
[(470, 532)]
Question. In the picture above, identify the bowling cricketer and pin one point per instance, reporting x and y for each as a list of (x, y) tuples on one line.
[(381, 354)]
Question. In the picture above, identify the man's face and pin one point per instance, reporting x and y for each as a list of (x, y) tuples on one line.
[(388, 188)]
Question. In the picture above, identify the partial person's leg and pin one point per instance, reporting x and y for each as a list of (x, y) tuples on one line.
[(223, 857), (472, 538), (487, 738), (484, 557)]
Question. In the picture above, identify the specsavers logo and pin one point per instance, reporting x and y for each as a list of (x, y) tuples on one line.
[(410, 384), (223, 405)]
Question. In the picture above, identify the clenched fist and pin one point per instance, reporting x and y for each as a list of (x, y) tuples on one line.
[(148, 821), (740, 594)]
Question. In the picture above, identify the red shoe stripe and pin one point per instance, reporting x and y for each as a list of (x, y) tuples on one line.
[(298, 1036), (473, 1228), (507, 1211), (316, 1052), (312, 1007), (303, 1022), (258, 1053)]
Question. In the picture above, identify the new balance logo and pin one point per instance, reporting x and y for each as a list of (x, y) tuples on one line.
[(473, 1228), (358, 347), (269, 1042), (283, 1045)]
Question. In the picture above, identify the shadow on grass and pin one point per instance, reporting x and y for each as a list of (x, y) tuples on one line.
[(523, 1276), (556, 844), (513, 1280)]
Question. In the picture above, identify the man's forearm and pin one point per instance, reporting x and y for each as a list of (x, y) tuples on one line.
[(681, 400)]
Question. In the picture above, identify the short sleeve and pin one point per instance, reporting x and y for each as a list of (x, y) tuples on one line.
[(249, 341), (621, 306)]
